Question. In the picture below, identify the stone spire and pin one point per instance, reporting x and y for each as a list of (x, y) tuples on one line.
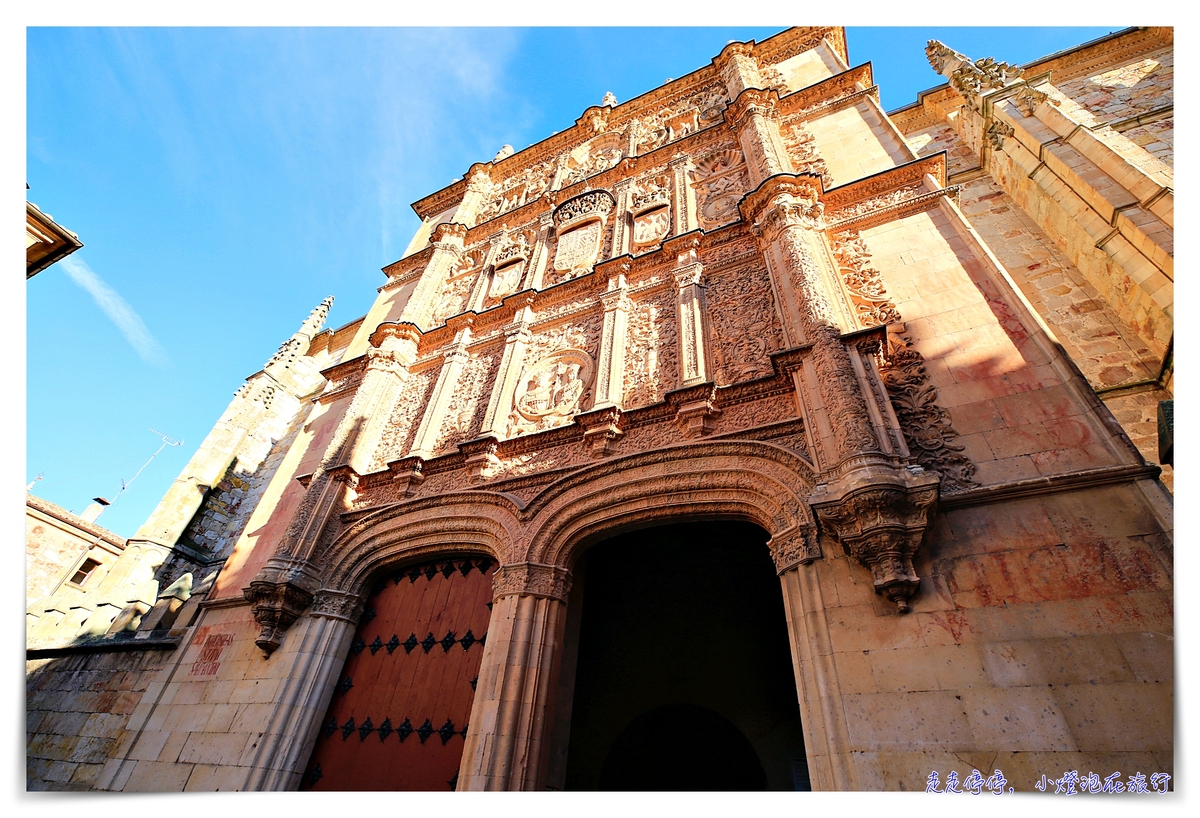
[(316, 319)]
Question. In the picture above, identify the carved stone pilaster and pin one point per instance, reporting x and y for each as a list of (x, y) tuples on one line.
[(881, 524), (517, 336), (738, 67), (601, 430), (754, 117), (532, 579), (683, 196), (795, 547), (787, 214), (447, 243), (610, 369), (689, 288), (456, 358)]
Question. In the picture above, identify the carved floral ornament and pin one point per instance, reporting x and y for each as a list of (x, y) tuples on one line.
[(550, 392)]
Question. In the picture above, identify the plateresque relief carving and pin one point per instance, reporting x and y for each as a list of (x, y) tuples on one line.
[(931, 438), (802, 147), (508, 265), (550, 392), (457, 290), (649, 207), (679, 119), (579, 224), (745, 327), (872, 306), (650, 353), (720, 181), (591, 158)]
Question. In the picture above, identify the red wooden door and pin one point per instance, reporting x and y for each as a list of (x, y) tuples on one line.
[(400, 710)]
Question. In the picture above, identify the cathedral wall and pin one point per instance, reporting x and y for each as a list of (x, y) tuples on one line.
[(856, 142), (1138, 86), (77, 712), (809, 67), (271, 516), (1041, 642)]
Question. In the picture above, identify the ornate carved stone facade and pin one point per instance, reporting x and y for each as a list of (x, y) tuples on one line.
[(692, 306)]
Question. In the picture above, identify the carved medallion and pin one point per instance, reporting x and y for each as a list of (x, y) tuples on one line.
[(505, 279), (650, 227), (550, 392), (719, 180)]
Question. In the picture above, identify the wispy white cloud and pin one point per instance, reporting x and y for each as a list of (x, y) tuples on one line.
[(117, 309)]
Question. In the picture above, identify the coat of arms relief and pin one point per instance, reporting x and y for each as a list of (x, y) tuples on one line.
[(579, 224), (720, 181), (650, 212)]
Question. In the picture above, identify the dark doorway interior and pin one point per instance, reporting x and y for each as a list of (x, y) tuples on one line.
[(684, 678)]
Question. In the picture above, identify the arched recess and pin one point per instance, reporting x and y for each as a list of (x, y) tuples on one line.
[(438, 531)]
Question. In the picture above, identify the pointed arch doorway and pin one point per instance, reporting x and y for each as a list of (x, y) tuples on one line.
[(683, 678)]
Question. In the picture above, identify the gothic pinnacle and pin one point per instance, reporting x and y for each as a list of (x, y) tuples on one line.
[(316, 319)]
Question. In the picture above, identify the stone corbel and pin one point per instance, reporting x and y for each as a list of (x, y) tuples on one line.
[(407, 475), (278, 595), (532, 579), (794, 547), (880, 523), (695, 409), (480, 457), (601, 430)]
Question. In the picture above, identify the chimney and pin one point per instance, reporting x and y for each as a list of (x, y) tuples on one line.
[(93, 511)]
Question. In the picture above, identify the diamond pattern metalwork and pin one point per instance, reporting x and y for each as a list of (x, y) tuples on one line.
[(425, 731), (467, 640), (448, 641), (356, 647), (368, 615), (466, 567), (392, 644), (428, 642), (404, 729), (344, 685), (446, 731), (410, 643), (413, 575), (385, 729), (347, 728), (448, 570), (330, 727), (314, 775), (474, 682), (376, 646), (365, 729), (431, 572)]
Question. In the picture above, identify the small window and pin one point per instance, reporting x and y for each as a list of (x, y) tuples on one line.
[(85, 571)]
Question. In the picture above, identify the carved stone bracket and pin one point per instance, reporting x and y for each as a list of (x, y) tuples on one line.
[(881, 524), (532, 579), (601, 430), (407, 474), (794, 547), (695, 409), (278, 595), (480, 457), (996, 133)]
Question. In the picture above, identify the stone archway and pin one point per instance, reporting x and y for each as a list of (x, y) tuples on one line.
[(684, 677)]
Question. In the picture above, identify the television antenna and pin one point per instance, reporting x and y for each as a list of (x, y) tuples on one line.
[(167, 440)]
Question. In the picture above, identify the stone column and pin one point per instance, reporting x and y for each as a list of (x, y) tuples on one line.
[(506, 745), (541, 254), (455, 358), (321, 642), (753, 114), (622, 232), (447, 245), (873, 501)]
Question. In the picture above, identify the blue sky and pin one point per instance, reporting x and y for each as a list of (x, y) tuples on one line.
[(225, 180)]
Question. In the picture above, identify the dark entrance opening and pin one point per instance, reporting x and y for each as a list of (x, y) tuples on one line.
[(684, 677)]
